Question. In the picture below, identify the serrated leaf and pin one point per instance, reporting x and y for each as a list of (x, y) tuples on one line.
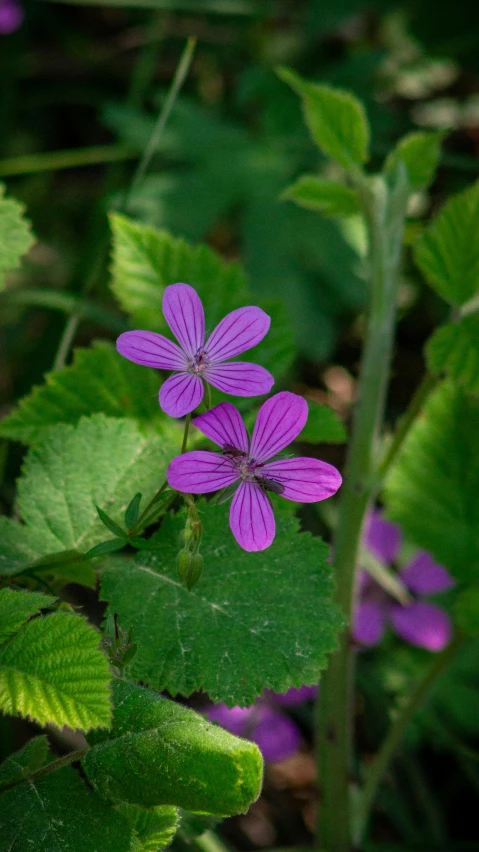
[(25, 761), (433, 489), (447, 252), (159, 752), (58, 813), (15, 234), (420, 152), (16, 607), (323, 426), (100, 462), (454, 348), (249, 639), (336, 119), (326, 196), (53, 671), (467, 611), (153, 828), (99, 380)]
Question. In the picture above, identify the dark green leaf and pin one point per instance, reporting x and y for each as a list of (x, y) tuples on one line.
[(467, 610), (153, 828), (22, 763), (16, 607), (112, 545), (132, 511), (323, 426), (454, 348), (110, 524)]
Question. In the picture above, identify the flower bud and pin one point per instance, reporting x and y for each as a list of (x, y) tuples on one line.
[(183, 563), (194, 571)]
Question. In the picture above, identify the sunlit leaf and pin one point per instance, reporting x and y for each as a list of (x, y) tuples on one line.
[(326, 196)]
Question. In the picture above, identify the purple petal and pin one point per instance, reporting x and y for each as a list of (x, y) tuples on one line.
[(200, 472), (423, 576), (181, 394), (234, 719), (293, 696), (184, 314), (279, 421), (275, 734), (251, 518), (303, 479), (382, 537), (224, 425), (240, 378), (151, 350), (369, 623), (237, 332), (11, 16), (422, 624)]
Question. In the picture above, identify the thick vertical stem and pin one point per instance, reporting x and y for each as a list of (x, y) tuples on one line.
[(385, 212)]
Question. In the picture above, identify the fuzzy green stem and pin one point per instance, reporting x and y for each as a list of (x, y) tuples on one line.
[(184, 442), (50, 767), (385, 213)]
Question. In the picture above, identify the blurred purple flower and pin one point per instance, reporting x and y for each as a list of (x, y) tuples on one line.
[(11, 16), (195, 361), (420, 623), (279, 421), (263, 722)]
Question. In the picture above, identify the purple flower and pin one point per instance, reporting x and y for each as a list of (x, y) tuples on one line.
[(419, 622), (11, 16), (195, 361), (279, 421)]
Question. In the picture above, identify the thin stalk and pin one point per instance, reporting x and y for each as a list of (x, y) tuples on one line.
[(396, 731), (50, 767), (207, 400), (385, 214), (72, 158), (210, 842)]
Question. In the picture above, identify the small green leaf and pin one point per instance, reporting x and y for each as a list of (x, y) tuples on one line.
[(58, 813), (112, 545), (53, 671), (323, 426), (433, 489), (420, 152), (467, 611), (110, 524), (31, 757), (336, 119), (447, 252), (15, 234), (16, 607), (153, 829), (454, 348), (132, 511), (161, 753), (326, 196)]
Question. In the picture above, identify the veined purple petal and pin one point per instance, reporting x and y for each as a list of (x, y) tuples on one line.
[(422, 624), (275, 734), (279, 421), (238, 331), (181, 394), (304, 480), (251, 518), (151, 350), (234, 719), (423, 576), (200, 472), (224, 425), (294, 696), (382, 537), (369, 623), (184, 314), (240, 378)]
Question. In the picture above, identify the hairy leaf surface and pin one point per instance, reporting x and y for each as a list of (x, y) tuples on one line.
[(454, 348), (16, 607), (153, 828)]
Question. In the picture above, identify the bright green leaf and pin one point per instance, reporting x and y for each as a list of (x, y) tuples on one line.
[(153, 828), (454, 348), (336, 119), (267, 619), (467, 610), (15, 234), (433, 489), (326, 196), (323, 426), (447, 252), (159, 752), (58, 813), (22, 763), (16, 607), (53, 671), (420, 152)]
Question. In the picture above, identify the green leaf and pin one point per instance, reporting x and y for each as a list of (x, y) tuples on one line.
[(447, 252), (153, 829), (246, 643), (112, 545), (336, 119), (132, 511), (433, 489), (53, 671), (99, 380), (110, 524), (99, 462), (326, 196), (454, 348), (58, 813), (323, 426), (467, 610), (16, 607), (420, 152), (161, 753), (15, 234), (22, 763)]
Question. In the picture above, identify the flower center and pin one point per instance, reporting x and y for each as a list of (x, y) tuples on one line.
[(199, 362)]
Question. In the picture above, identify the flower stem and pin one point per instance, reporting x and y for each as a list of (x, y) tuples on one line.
[(385, 212), (207, 400), (50, 767), (185, 434)]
